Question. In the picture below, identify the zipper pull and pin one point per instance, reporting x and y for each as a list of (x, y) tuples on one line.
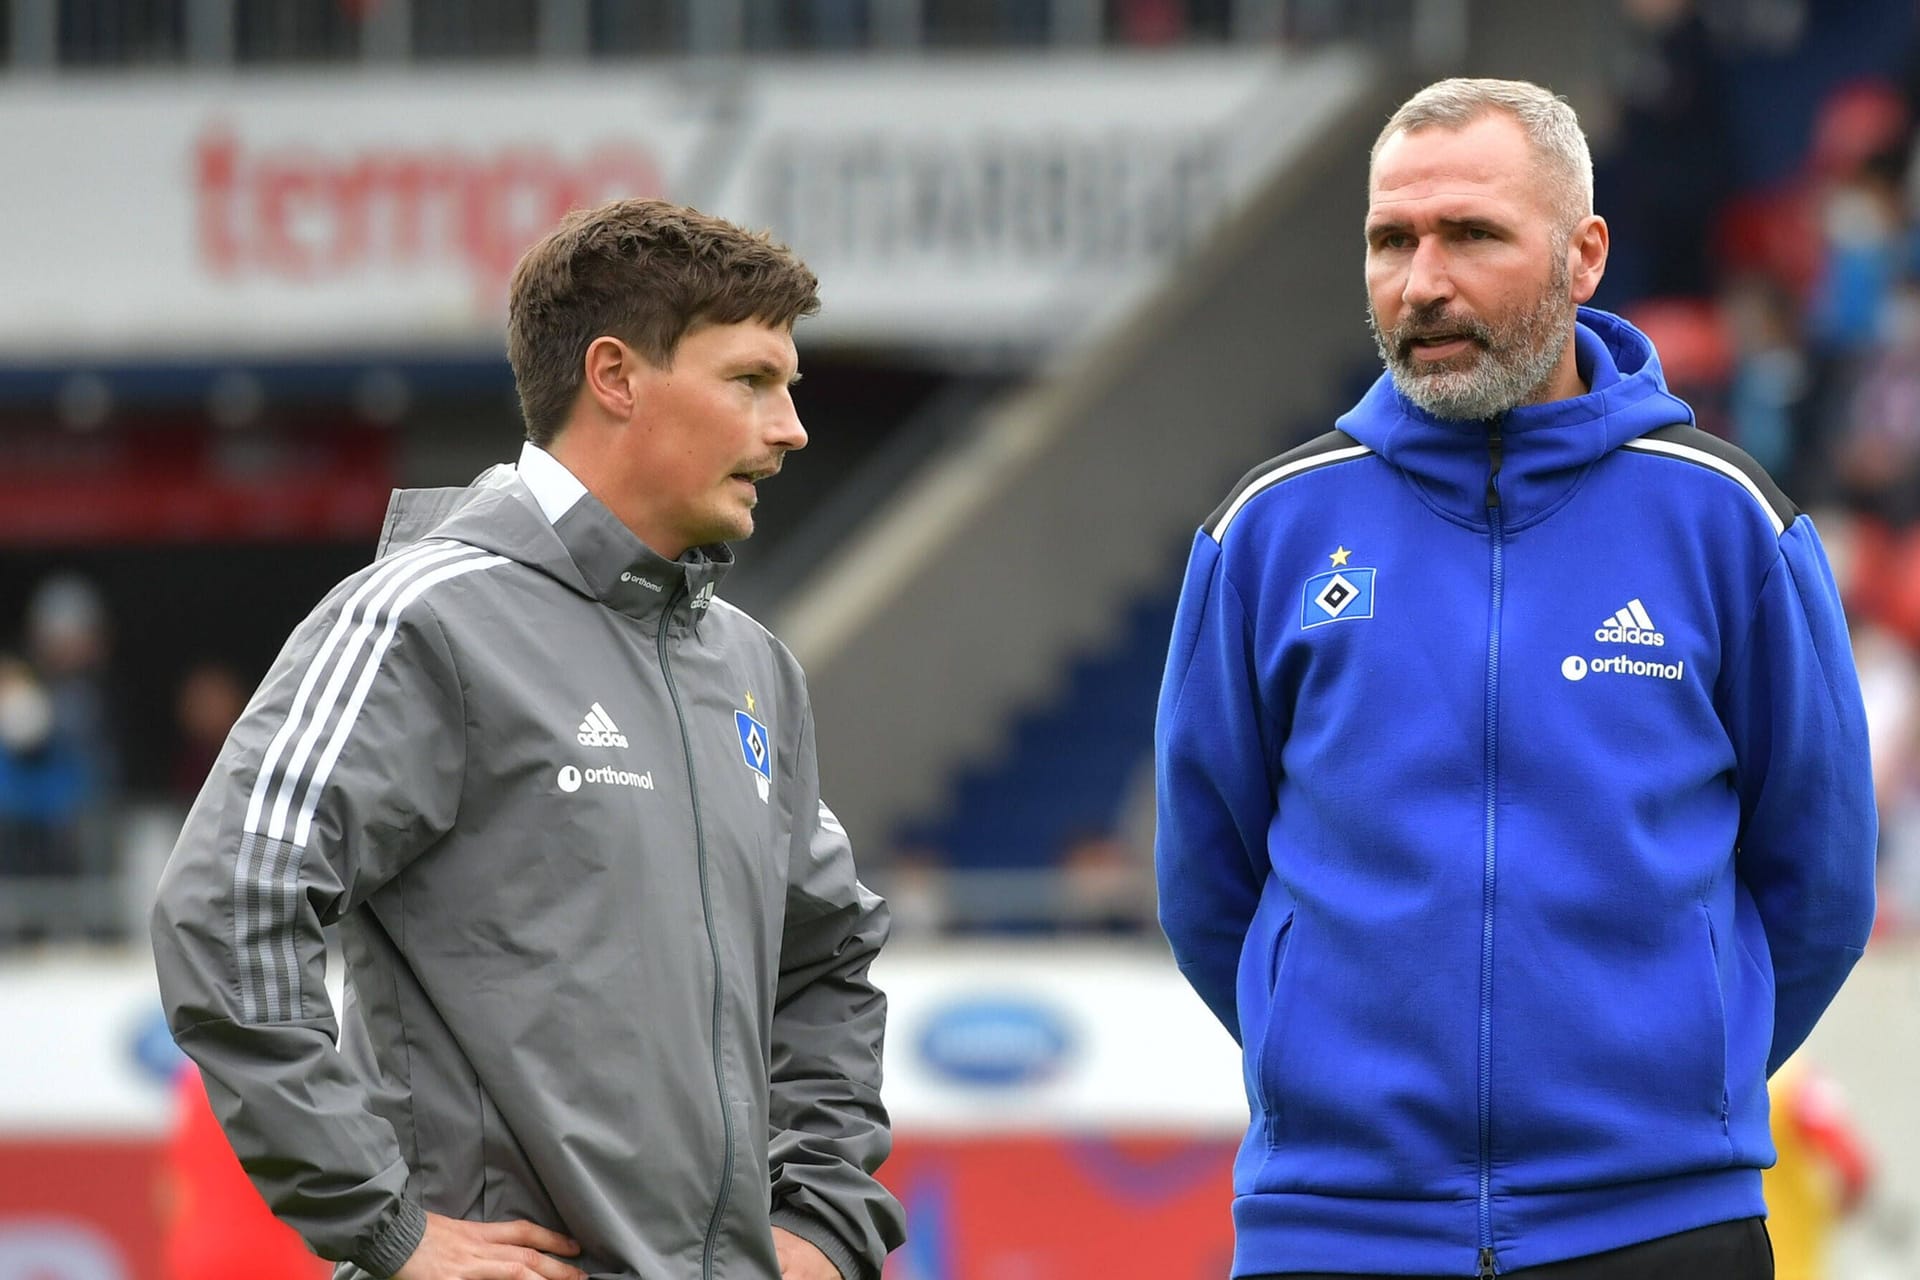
[(1486, 1265)]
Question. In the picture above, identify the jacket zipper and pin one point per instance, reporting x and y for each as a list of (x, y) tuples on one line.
[(713, 945), (1487, 870)]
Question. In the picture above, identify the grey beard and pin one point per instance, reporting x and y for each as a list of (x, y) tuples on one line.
[(1510, 367)]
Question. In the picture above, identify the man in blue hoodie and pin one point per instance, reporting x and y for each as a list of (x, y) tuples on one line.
[(1515, 812)]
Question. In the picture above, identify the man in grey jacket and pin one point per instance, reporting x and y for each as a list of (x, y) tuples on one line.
[(607, 996)]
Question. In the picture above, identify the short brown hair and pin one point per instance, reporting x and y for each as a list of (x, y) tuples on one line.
[(643, 271)]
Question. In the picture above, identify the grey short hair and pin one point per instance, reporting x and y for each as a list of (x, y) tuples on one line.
[(1546, 119)]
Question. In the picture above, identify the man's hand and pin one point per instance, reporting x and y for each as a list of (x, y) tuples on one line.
[(800, 1260), (456, 1250)]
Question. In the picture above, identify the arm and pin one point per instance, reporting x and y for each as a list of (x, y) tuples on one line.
[(830, 1131), (1213, 779), (346, 764), (1791, 703)]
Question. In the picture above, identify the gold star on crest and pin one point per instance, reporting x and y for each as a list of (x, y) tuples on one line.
[(749, 700), (1339, 557)]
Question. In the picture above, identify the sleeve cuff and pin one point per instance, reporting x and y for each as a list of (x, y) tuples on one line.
[(394, 1242), (816, 1233)]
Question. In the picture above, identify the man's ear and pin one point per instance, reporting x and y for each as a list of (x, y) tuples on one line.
[(609, 376), (1587, 256)]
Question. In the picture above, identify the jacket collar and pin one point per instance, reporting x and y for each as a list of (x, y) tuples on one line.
[(625, 574), (587, 548)]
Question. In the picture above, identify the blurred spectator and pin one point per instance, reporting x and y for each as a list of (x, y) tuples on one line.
[(66, 632), (1859, 159), (915, 886), (836, 24), (1767, 389), (67, 643), (1900, 847), (1882, 585), (1890, 688), (1696, 354), (44, 789), (1823, 1173), (211, 699), (971, 23), (1106, 887), (1877, 452), (1668, 172), (1150, 22)]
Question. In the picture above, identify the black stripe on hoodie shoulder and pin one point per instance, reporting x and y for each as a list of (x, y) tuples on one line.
[(1703, 449), (1321, 451)]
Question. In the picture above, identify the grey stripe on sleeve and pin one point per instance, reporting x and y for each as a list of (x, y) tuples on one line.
[(373, 614), (267, 874), (324, 768), (296, 714), (246, 910)]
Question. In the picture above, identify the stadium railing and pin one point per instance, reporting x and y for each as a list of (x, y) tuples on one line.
[(56, 35)]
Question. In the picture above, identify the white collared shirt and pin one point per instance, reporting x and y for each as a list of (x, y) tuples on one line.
[(554, 487)]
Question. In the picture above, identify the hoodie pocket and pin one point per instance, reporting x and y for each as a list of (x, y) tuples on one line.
[(1717, 1034), (1267, 1050)]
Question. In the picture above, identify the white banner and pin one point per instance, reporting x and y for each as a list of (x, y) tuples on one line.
[(1053, 1037), (1011, 202), (981, 1038), (1015, 203)]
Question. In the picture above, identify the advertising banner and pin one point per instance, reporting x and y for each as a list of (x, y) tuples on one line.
[(1059, 1112), (1000, 202), (202, 216)]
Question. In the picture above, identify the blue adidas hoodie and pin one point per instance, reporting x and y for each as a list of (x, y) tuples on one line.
[(1515, 817)]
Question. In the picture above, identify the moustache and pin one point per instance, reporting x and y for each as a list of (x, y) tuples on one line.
[(1424, 326)]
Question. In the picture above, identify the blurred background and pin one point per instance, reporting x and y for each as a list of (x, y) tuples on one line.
[(1084, 263)]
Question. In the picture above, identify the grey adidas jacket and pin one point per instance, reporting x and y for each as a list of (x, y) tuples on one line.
[(606, 954)]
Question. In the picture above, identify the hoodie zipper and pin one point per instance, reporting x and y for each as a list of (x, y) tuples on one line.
[(713, 944), (1487, 868)]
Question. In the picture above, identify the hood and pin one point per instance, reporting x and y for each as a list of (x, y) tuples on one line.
[(588, 550), (1544, 448)]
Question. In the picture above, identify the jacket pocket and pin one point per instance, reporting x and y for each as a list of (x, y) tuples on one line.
[(1610, 1064), (1267, 1051), (1717, 1034)]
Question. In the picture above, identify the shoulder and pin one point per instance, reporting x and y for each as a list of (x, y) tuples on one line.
[(399, 592), (1690, 447), (738, 622), (742, 627), (409, 573), (1317, 454)]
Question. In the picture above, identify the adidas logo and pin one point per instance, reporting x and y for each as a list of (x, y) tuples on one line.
[(1630, 625), (701, 598), (599, 730)]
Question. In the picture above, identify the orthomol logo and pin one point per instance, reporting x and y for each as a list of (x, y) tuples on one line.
[(572, 778), (1578, 668)]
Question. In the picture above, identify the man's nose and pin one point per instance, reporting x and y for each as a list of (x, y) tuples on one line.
[(1428, 279), (785, 431)]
